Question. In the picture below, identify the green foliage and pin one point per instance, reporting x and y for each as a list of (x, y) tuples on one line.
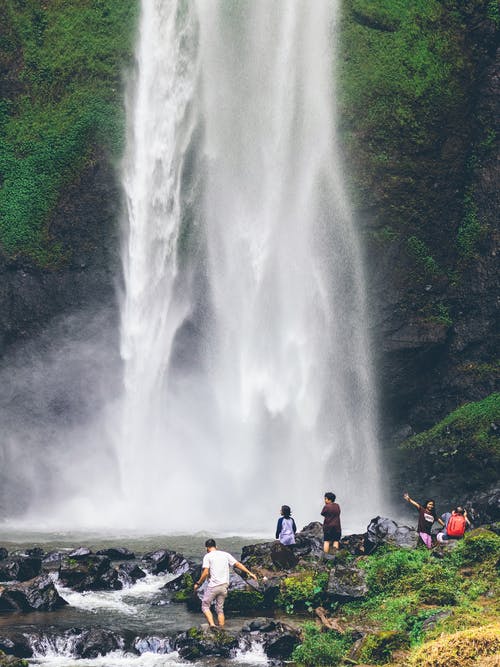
[(302, 591), (420, 252), (243, 600), (493, 12), (464, 442), (478, 546), (70, 102), (471, 230), (186, 591), (387, 569), (321, 648), (377, 648)]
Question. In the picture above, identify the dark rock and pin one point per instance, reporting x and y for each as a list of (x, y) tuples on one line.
[(310, 540), (386, 531), (80, 554), (164, 560), (257, 555), (95, 642), (283, 557), (3, 553), (195, 643), (86, 573), (152, 644), (35, 552), (347, 581), (129, 573), (117, 553), (17, 644), (278, 639), (484, 507), (20, 568), (260, 625), (39, 594)]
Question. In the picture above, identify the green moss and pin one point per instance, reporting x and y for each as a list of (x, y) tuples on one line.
[(243, 600), (302, 591), (72, 59), (421, 253), (462, 444), (478, 546), (471, 231), (321, 648), (377, 648)]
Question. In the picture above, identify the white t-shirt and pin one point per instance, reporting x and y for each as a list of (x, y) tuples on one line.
[(218, 563)]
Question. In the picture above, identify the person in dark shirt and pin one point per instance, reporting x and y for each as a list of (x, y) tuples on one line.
[(286, 528), (426, 518), (331, 525)]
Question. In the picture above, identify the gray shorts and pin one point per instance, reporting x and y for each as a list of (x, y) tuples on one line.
[(217, 593)]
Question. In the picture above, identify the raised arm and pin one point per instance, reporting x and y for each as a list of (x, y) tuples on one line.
[(412, 502)]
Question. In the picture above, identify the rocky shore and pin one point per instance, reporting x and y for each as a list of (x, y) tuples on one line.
[(295, 584)]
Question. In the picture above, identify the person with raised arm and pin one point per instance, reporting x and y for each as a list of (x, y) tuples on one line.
[(426, 518)]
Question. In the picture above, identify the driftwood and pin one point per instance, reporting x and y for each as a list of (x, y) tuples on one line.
[(326, 622)]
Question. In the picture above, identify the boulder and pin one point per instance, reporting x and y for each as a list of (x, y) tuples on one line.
[(38, 594), (3, 553), (164, 560), (386, 531), (283, 557), (20, 567), (347, 581), (129, 573), (80, 553), (15, 643), (310, 540), (278, 639), (195, 643), (95, 642), (89, 573), (117, 553)]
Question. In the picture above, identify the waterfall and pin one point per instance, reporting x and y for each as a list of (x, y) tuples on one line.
[(247, 372)]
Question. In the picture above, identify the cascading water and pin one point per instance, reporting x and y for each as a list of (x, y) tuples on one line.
[(247, 371)]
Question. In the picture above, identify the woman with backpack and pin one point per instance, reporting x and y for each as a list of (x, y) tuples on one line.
[(456, 523), (426, 518), (286, 528)]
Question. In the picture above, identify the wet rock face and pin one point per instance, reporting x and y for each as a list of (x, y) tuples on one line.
[(20, 568), (85, 225), (95, 642), (87, 573), (38, 594)]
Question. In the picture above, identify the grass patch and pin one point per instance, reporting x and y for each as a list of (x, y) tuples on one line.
[(459, 649), (463, 445)]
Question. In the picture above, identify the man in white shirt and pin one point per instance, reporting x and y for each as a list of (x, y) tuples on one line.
[(215, 566)]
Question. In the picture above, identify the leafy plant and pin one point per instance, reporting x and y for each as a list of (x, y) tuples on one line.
[(321, 648), (302, 591)]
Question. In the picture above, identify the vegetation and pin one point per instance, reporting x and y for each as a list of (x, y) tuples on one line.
[(321, 648), (465, 444), (467, 647), (302, 591), (66, 63), (417, 606), (408, 73)]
